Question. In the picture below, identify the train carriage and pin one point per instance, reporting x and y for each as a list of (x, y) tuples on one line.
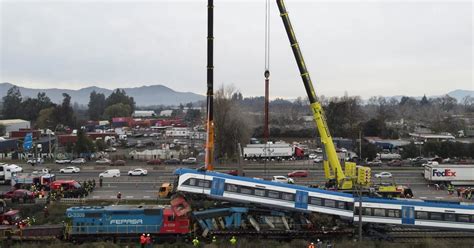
[(271, 194), (416, 213)]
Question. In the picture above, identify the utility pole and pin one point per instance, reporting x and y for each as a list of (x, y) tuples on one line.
[(360, 145), (360, 211)]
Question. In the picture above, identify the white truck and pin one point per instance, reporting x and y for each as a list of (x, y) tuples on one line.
[(282, 150), (388, 156), (450, 173), (5, 174)]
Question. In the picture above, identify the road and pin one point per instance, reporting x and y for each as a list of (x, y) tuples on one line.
[(146, 187)]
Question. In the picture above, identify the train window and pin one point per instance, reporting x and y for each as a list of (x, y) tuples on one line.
[(273, 194), (349, 205), (246, 190), (463, 218), (450, 217), (204, 184), (259, 192), (171, 218), (472, 218), (341, 205), (379, 212), (421, 215), (288, 196), (367, 211), (192, 181), (436, 216), (316, 201), (393, 213), (231, 187), (330, 203)]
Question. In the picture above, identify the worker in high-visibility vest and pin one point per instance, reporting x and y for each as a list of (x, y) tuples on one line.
[(196, 242), (233, 240), (311, 245), (214, 239)]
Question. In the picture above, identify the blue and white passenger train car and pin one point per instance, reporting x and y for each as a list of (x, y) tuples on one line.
[(416, 213), (305, 199), (272, 194)]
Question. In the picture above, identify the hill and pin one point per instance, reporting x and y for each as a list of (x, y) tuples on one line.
[(144, 95)]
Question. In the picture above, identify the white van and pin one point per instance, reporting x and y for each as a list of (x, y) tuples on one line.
[(110, 173)]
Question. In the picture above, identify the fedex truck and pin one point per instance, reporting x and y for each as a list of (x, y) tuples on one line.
[(445, 173)]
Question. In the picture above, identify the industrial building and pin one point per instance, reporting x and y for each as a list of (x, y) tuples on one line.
[(15, 124)]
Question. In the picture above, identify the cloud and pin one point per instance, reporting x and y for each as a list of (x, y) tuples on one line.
[(363, 48)]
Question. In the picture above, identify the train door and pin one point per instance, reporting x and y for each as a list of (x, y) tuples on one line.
[(408, 215), (301, 200), (217, 187)]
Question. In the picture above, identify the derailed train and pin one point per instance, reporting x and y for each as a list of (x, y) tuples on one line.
[(414, 213), (165, 222)]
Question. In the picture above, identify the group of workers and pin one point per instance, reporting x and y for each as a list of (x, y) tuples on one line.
[(197, 243), (465, 193), (146, 241), (320, 244)]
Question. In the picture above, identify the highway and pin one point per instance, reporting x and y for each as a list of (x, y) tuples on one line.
[(146, 187)]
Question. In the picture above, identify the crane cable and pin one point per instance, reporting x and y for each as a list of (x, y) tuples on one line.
[(267, 35)]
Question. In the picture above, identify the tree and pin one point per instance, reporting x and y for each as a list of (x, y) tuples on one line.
[(117, 110), (84, 144), (96, 105), (100, 145), (31, 107), (46, 118), (119, 96), (12, 103), (231, 125), (64, 113), (2, 130)]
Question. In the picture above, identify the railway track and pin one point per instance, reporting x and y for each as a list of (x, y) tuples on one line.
[(410, 235)]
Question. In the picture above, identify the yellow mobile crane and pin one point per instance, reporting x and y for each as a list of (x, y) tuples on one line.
[(332, 166)]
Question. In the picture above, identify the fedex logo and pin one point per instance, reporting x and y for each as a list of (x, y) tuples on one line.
[(445, 173)]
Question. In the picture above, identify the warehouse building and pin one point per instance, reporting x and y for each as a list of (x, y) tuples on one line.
[(15, 125)]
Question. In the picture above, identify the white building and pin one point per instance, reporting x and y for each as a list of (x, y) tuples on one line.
[(167, 112), (14, 124), (144, 113), (182, 132)]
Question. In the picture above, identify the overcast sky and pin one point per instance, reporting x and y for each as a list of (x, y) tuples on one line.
[(360, 47)]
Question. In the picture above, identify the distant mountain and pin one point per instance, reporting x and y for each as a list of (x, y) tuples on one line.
[(144, 95), (461, 94)]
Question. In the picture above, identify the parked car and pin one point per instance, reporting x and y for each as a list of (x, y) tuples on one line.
[(42, 171), (318, 159), (16, 195), (138, 172), (233, 172), (110, 173), (110, 149), (70, 169), (153, 162), (104, 161), (34, 161), (119, 163), (78, 161), (14, 168), (298, 173), (190, 160), (395, 162), (282, 179), (312, 156), (65, 185), (140, 145), (172, 161), (383, 174), (62, 161)]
